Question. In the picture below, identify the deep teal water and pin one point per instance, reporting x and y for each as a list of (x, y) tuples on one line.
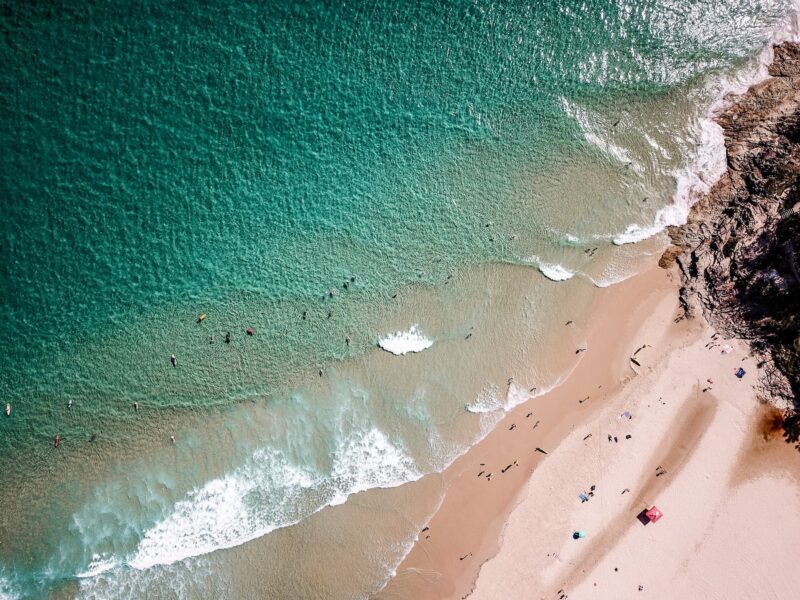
[(163, 159)]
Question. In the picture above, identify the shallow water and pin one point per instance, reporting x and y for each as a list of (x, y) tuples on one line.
[(242, 161)]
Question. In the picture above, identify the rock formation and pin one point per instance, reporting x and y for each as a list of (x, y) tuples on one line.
[(739, 252)]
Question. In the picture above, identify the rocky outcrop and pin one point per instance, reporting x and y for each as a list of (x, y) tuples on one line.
[(739, 252)]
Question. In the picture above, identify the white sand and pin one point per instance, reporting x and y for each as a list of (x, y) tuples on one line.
[(732, 522)]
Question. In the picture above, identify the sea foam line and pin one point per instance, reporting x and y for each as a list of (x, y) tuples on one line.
[(487, 400), (710, 160), (267, 493), (792, 32), (558, 273), (553, 272)]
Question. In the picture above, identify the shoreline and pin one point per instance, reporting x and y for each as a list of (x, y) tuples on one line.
[(475, 543), (736, 252), (472, 514), (703, 449)]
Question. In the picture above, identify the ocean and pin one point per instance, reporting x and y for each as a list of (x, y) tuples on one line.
[(403, 202)]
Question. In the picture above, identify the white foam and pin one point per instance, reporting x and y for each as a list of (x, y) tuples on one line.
[(517, 395), (367, 461), (7, 591), (692, 182), (266, 493), (99, 565), (222, 513), (403, 342), (604, 282), (554, 272), (708, 161), (486, 401)]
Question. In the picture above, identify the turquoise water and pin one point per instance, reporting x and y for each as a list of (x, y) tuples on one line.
[(244, 159)]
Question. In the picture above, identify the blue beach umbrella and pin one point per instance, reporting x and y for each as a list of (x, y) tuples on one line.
[(578, 535)]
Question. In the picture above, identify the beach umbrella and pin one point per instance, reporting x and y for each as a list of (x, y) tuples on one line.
[(578, 535), (654, 514)]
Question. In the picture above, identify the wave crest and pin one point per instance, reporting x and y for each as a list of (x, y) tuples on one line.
[(403, 342), (267, 493), (553, 272)]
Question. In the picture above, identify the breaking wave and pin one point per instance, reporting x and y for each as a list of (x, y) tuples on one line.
[(554, 272), (708, 162), (269, 492), (403, 342)]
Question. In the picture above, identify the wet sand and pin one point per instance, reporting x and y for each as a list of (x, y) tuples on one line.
[(729, 491), (464, 532)]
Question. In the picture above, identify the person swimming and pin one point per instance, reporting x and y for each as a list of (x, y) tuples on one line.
[(228, 338), (174, 360)]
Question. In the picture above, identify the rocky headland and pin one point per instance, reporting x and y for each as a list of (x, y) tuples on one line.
[(739, 252)]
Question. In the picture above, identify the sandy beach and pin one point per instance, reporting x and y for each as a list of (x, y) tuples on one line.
[(695, 446), (665, 410)]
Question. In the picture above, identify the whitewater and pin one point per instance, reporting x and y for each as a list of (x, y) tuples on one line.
[(244, 161)]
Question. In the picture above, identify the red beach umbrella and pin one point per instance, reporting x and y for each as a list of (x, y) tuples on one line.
[(654, 514)]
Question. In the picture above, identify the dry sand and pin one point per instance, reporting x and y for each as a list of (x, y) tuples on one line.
[(729, 494)]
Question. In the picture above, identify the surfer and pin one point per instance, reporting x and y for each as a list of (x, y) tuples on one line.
[(174, 360)]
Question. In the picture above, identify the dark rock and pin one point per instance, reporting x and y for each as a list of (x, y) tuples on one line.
[(739, 252)]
